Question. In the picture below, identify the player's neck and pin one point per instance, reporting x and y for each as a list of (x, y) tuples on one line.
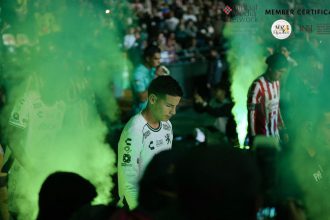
[(268, 77), (146, 64), (148, 116)]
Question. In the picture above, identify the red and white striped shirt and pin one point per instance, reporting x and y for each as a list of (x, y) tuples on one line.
[(263, 104)]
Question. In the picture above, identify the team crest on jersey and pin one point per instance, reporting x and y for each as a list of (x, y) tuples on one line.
[(167, 138)]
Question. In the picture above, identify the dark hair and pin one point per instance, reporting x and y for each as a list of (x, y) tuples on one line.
[(277, 61), (165, 85), (158, 178), (63, 193), (150, 50)]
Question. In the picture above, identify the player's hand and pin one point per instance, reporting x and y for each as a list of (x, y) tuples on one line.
[(198, 99), (162, 71), (284, 136)]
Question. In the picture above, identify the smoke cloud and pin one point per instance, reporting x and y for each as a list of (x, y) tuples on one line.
[(59, 61)]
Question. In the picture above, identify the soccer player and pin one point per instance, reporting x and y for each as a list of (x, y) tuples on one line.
[(143, 75), (146, 134), (264, 117)]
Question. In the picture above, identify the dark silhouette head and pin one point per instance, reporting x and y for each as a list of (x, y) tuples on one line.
[(157, 187), (277, 66), (63, 193)]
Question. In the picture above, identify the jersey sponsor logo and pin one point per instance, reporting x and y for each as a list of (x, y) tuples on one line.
[(128, 141), (146, 134), (159, 142), (151, 145), (126, 158), (127, 148), (167, 138), (166, 127), (126, 164), (16, 116)]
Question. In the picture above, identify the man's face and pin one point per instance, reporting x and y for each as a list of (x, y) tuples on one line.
[(154, 60), (277, 74), (165, 108)]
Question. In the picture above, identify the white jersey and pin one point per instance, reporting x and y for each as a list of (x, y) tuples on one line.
[(42, 122), (137, 146)]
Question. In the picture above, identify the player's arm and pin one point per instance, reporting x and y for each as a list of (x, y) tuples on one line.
[(223, 111), (129, 149), (254, 106), (280, 121), (139, 86), (18, 122), (284, 136)]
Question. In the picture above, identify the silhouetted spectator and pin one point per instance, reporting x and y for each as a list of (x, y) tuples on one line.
[(216, 67), (220, 106), (63, 193), (157, 195), (218, 182)]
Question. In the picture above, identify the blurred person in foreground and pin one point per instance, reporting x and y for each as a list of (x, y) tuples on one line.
[(146, 134), (218, 182), (63, 193), (304, 170)]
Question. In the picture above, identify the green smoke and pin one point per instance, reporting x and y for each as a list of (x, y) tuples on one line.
[(64, 76), (245, 57)]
